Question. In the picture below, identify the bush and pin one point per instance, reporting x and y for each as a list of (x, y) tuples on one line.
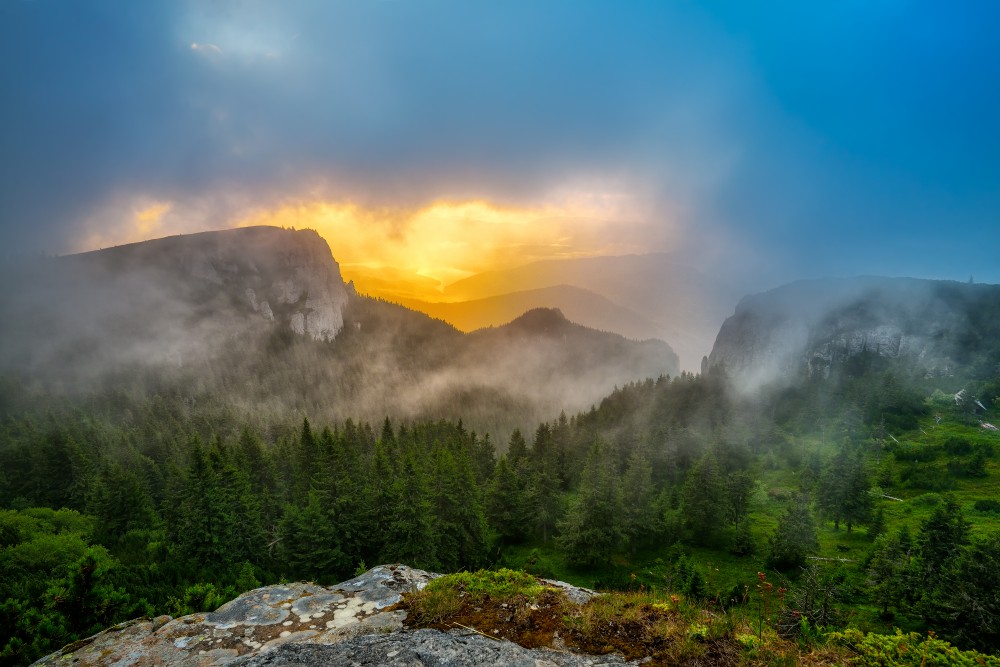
[(987, 505), (901, 650)]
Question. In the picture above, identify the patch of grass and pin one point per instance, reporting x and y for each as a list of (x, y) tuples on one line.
[(661, 628), (497, 585)]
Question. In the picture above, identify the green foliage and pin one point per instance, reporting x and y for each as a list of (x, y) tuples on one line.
[(592, 530), (498, 585), (963, 604), (900, 650), (704, 514), (199, 598), (795, 537), (844, 490), (505, 505)]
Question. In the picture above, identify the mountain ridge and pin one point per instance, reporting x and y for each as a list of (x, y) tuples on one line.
[(686, 306), (811, 326), (256, 316), (581, 306)]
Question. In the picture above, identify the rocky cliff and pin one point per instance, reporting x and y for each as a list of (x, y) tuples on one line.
[(259, 319), (352, 623), (812, 326), (170, 299)]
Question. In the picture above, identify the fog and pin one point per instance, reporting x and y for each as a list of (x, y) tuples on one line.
[(173, 317), (811, 327)]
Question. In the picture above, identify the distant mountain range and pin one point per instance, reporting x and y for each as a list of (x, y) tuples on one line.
[(639, 296), (577, 304), (260, 318)]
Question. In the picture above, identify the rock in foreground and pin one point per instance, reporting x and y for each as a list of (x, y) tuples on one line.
[(306, 624)]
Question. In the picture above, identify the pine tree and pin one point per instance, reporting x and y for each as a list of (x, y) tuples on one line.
[(795, 537), (517, 450), (844, 490), (505, 504), (310, 546), (640, 510), (410, 536), (592, 529), (460, 525), (703, 501), (886, 570)]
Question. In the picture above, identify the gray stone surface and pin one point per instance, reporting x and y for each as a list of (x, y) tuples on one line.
[(256, 621), (423, 648), (304, 624)]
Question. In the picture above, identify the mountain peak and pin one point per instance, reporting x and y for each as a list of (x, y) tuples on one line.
[(169, 299), (539, 320), (812, 326)]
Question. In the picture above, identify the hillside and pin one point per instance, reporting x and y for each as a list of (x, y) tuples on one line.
[(852, 501), (815, 327), (259, 320), (684, 304), (579, 305)]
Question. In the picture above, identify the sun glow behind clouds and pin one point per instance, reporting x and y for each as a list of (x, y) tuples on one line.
[(416, 252)]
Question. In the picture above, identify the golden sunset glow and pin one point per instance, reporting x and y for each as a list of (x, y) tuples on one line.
[(121, 223), (415, 253)]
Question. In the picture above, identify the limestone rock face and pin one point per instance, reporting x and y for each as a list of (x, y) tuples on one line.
[(809, 327), (173, 300), (255, 622), (306, 624), (422, 648)]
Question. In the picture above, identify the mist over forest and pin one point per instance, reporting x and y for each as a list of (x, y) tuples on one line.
[(190, 417), (693, 304)]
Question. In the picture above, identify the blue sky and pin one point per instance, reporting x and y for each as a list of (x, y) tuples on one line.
[(771, 140)]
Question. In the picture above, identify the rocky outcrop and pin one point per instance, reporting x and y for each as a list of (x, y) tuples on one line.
[(174, 301), (423, 648), (275, 270), (352, 623), (811, 327)]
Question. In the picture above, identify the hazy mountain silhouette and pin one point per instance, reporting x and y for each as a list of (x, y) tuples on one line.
[(579, 305), (686, 306), (260, 319)]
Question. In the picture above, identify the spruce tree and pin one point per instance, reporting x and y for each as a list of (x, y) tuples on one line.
[(592, 530), (409, 535), (505, 504), (703, 501), (795, 537)]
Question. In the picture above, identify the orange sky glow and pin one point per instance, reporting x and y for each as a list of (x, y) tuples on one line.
[(415, 252)]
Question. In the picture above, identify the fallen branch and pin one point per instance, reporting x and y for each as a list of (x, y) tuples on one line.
[(465, 627), (839, 560), (886, 495)]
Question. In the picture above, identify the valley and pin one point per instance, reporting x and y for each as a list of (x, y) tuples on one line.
[(168, 443)]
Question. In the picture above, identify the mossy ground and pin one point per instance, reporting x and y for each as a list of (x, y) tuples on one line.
[(661, 629)]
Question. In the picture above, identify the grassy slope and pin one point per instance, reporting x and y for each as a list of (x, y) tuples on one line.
[(726, 572)]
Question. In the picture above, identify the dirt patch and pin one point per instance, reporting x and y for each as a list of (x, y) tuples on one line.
[(637, 630), (530, 623)]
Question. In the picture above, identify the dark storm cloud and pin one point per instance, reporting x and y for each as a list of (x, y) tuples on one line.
[(838, 139)]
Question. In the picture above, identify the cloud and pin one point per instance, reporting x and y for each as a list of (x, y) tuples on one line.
[(781, 136), (206, 48)]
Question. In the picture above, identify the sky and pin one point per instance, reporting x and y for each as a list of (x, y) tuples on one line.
[(765, 142)]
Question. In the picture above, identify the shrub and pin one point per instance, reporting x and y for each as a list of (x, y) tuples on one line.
[(987, 505), (901, 650)]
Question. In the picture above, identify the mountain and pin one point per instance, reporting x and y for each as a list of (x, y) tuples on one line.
[(810, 327), (579, 305), (164, 300), (684, 305), (259, 320)]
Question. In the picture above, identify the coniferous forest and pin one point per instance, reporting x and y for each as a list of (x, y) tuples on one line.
[(868, 496)]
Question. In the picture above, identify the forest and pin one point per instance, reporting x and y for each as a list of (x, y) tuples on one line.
[(869, 494)]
